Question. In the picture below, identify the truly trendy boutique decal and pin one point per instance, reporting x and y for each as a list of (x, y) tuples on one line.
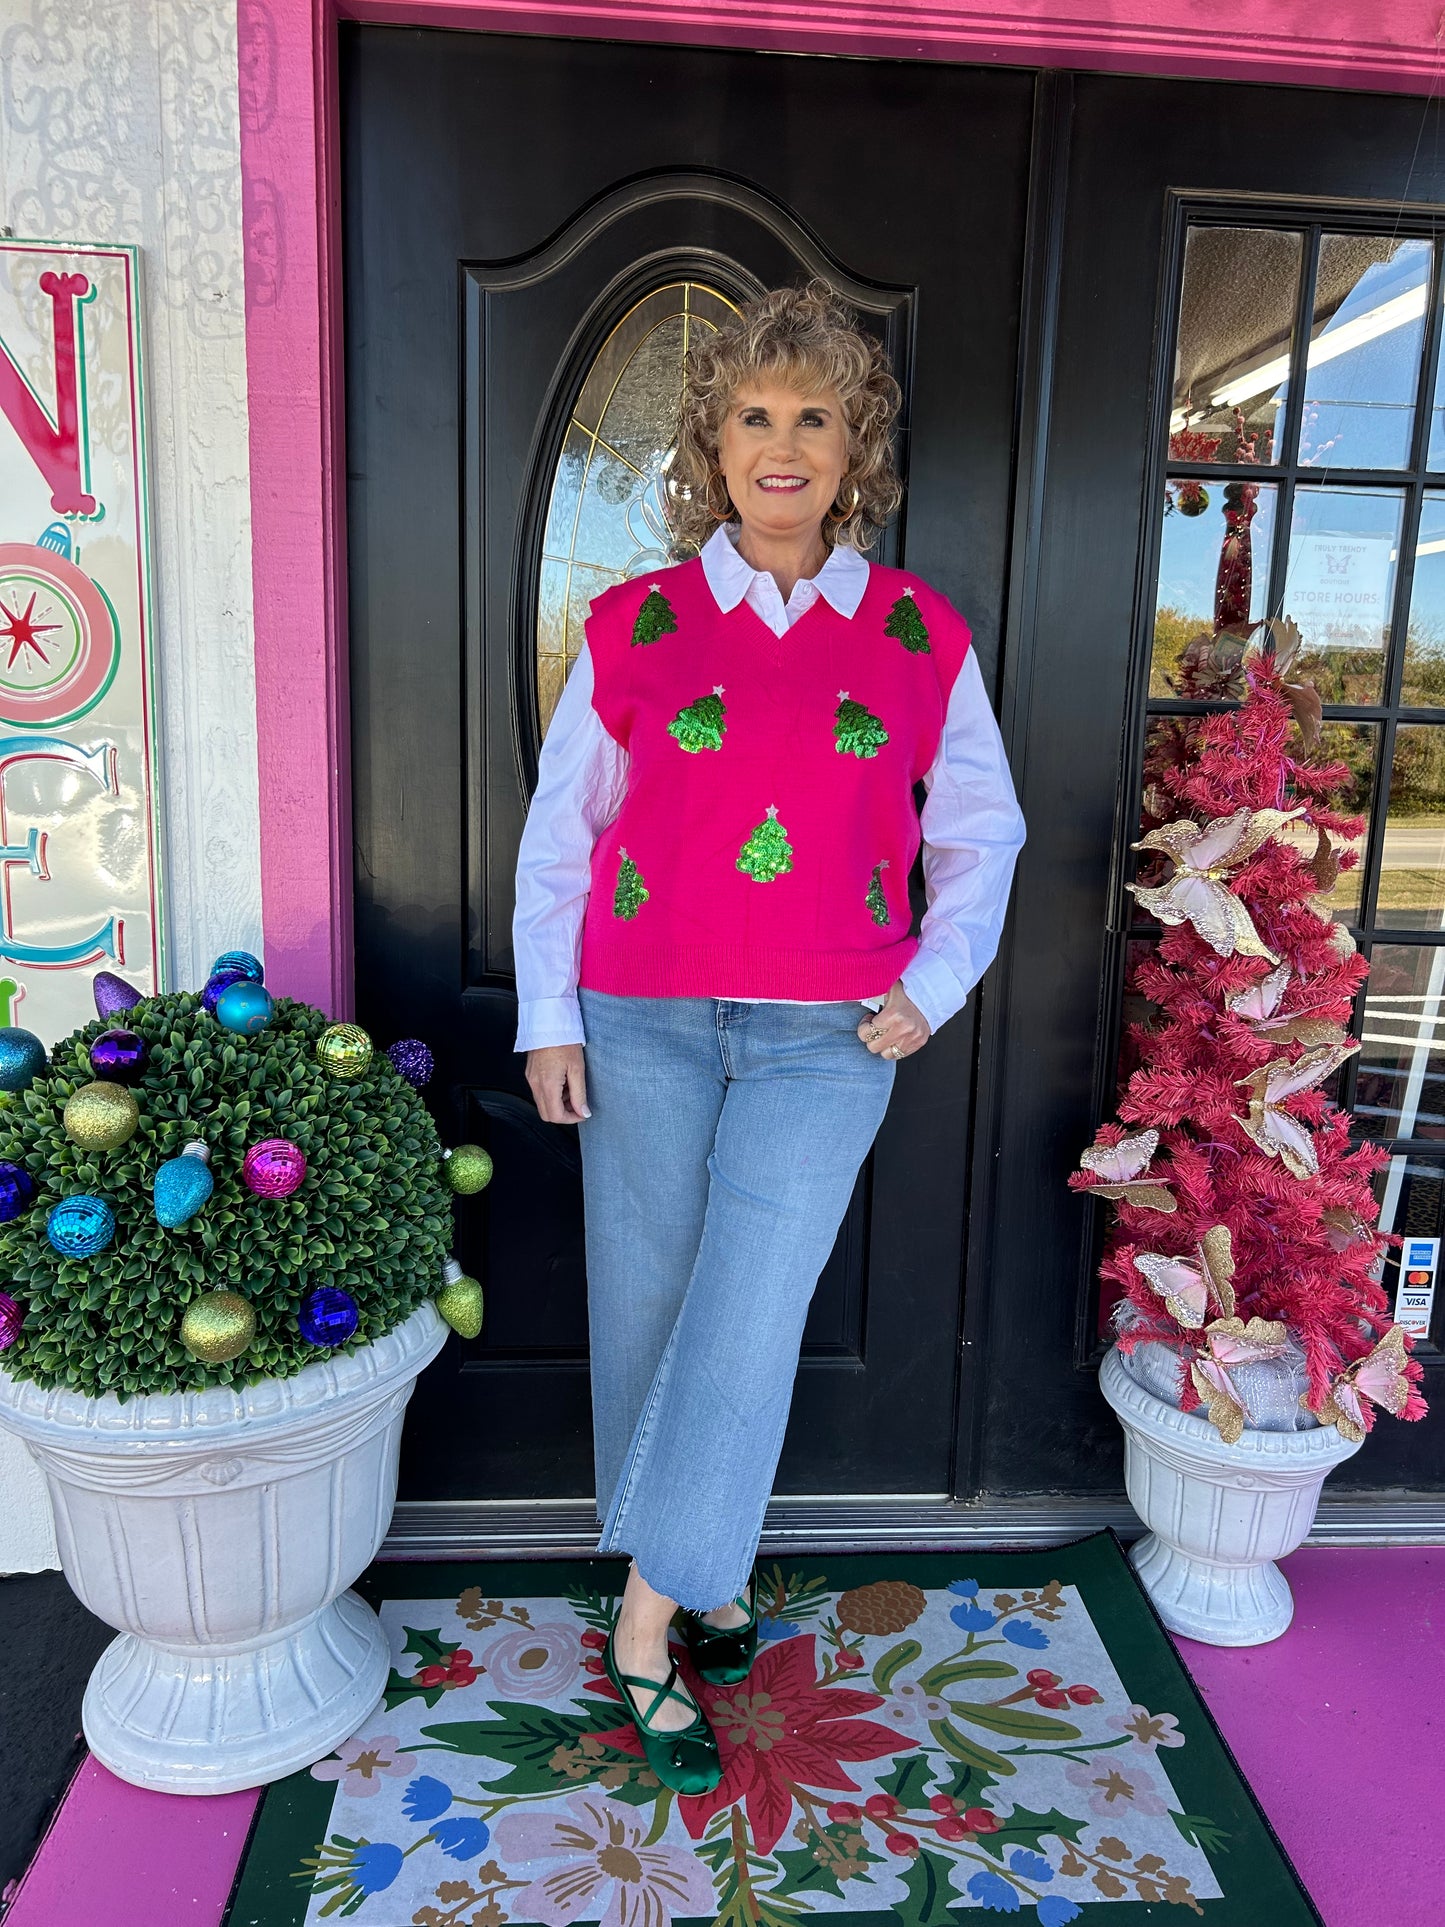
[(79, 863)]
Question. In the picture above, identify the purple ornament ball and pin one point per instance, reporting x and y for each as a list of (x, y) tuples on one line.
[(327, 1316), (217, 982), (11, 1319), (17, 1188), (118, 1056), (113, 995), (414, 1061), (274, 1168)]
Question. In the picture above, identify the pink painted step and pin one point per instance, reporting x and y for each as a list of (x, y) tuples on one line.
[(1339, 1728)]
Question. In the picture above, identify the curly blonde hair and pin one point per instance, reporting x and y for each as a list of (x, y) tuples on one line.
[(808, 340)]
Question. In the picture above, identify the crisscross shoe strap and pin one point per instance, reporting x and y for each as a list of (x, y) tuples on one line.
[(665, 1691)]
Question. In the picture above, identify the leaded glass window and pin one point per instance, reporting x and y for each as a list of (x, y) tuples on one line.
[(608, 516)]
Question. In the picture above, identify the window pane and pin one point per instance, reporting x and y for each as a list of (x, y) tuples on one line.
[(607, 518), (1411, 1191), (1233, 355), (1400, 1089), (1363, 367), (1344, 543), (1423, 686), (1213, 569), (1357, 745), (1412, 874)]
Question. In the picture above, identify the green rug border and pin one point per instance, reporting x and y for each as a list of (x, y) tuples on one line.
[(292, 1814)]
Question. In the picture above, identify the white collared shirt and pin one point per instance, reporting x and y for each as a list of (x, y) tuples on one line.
[(971, 823)]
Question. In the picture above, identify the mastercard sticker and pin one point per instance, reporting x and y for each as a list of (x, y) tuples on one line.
[(1415, 1294)]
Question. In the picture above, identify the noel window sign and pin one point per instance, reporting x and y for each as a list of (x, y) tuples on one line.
[(79, 866)]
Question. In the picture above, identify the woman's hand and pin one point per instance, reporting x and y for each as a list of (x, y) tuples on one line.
[(559, 1083), (899, 1029)]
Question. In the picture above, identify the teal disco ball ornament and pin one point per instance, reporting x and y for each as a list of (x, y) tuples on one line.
[(239, 963), (244, 1007)]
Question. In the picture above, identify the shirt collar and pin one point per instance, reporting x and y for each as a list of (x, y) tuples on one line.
[(841, 580)]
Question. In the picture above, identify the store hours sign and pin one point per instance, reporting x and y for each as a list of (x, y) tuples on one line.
[(79, 862)]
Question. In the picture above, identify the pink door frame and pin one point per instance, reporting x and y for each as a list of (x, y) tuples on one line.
[(290, 203)]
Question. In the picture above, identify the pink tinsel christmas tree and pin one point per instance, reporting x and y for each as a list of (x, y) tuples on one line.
[(1246, 1226)]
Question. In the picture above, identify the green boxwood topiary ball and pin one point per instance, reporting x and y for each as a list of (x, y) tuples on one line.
[(373, 1215)]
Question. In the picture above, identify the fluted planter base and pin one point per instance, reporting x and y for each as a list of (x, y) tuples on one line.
[(1220, 1515), (219, 1530)]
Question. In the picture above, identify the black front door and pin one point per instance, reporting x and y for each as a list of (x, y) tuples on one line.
[(532, 229)]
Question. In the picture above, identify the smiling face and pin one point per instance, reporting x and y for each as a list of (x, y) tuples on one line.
[(783, 456)]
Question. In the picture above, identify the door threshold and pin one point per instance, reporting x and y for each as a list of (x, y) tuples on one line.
[(567, 1528)]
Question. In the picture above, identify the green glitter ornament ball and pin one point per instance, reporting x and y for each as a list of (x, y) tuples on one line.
[(101, 1116), (344, 1051), (467, 1169), (217, 1326)]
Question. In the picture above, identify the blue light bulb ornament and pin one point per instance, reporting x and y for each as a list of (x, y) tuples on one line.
[(239, 963), (79, 1227), (22, 1058), (244, 1007), (327, 1316), (182, 1186)]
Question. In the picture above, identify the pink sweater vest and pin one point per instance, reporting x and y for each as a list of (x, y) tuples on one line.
[(764, 844)]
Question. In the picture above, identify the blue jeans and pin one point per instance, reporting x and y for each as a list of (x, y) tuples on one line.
[(722, 1150)]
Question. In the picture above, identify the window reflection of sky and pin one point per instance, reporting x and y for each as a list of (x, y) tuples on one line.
[(1359, 404)]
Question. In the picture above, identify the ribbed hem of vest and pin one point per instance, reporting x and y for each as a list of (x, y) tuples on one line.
[(743, 970)]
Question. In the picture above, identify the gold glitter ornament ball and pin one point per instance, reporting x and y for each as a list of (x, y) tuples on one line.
[(344, 1052), (217, 1326), (101, 1116), (467, 1169), (460, 1301)]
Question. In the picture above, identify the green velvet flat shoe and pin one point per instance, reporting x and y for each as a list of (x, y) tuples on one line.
[(686, 1760), (723, 1655)]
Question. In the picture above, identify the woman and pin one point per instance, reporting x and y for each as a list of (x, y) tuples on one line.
[(713, 879)]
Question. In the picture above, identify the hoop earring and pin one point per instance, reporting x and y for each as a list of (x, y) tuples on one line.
[(718, 515), (835, 514)]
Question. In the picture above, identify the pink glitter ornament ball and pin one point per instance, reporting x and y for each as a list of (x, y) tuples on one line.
[(11, 1319), (274, 1168)]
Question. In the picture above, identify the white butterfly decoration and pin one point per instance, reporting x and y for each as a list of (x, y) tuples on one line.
[(1197, 892), (1378, 1377), (1273, 1129), (1259, 1008), (1120, 1170), (1227, 1342), (1188, 1288)]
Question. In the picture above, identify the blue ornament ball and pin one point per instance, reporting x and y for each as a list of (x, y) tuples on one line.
[(414, 1061), (22, 1058), (215, 984), (182, 1186), (78, 1227), (244, 1007), (17, 1188), (327, 1316), (239, 963)]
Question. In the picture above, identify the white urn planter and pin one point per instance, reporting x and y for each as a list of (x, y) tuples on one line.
[(1219, 1515), (219, 1531)]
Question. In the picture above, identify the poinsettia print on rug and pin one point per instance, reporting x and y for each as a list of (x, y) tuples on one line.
[(896, 1752)]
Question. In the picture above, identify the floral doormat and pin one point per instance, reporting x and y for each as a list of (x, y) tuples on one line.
[(923, 1739)]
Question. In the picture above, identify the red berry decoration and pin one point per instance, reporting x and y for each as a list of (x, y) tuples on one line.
[(1051, 1696), (1084, 1695), (880, 1806), (1041, 1676), (901, 1843), (980, 1820), (951, 1829), (944, 1803), (844, 1810)]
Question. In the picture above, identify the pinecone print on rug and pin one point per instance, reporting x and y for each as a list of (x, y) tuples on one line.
[(700, 725), (631, 892), (907, 626), (655, 618), (884, 1606)]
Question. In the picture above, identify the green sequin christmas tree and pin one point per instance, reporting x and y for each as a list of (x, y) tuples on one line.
[(907, 626), (631, 891), (856, 728), (700, 725), (877, 902), (655, 618), (767, 852)]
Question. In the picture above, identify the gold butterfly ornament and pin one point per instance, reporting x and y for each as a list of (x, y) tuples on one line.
[(1377, 1379), (1259, 1007), (1122, 1171), (1275, 1130), (1198, 892), (1230, 1342)]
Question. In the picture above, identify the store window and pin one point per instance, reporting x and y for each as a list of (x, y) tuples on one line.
[(1304, 477), (607, 517)]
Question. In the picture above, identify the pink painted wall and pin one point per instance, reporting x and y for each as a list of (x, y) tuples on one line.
[(287, 72)]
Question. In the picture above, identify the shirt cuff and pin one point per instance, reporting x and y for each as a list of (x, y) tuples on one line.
[(549, 1020), (930, 983)]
